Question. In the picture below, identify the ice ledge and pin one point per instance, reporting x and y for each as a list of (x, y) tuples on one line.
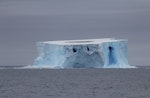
[(88, 53), (82, 42)]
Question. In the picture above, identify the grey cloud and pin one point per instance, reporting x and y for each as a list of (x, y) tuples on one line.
[(23, 23)]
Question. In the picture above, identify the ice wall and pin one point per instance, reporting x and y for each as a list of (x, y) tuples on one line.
[(90, 53)]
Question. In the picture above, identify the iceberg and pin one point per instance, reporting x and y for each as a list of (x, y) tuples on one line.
[(88, 53)]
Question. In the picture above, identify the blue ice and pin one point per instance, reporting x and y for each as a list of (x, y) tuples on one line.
[(90, 53)]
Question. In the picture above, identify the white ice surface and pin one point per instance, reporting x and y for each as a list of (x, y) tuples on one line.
[(89, 53)]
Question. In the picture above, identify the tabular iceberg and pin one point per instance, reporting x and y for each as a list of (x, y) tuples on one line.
[(90, 53)]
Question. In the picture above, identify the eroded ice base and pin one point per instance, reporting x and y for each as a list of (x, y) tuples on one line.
[(91, 53)]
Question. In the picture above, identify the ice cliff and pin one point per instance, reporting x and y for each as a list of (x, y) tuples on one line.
[(90, 53)]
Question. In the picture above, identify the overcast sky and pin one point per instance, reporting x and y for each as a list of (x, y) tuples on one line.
[(24, 22)]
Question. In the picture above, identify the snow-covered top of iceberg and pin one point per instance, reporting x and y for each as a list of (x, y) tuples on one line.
[(81, 42)]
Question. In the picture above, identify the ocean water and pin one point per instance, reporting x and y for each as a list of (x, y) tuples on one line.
[(47, 67), (74, 83)]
